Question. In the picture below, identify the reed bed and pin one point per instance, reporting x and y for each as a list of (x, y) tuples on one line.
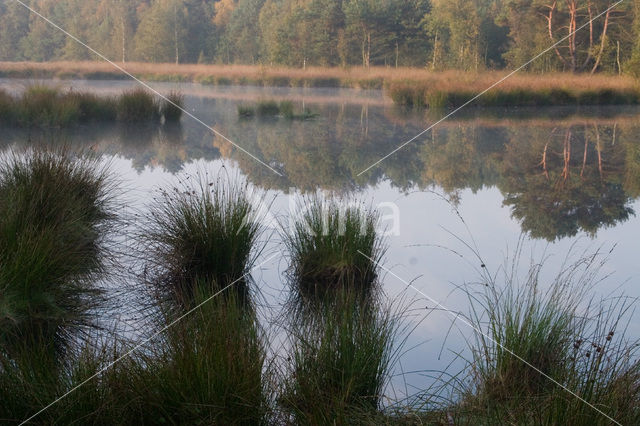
[(426, 94), (333, 246), (44, 106)]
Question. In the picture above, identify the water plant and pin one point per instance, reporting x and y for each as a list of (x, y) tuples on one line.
[(267, 108), (210, 368), (55, 210), (136, 106), (333, 246), (341, 359), (246, 111), (171, 109), (551, 354), (202, 233)]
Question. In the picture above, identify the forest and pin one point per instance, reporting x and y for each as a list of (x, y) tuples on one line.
[(470, 35)]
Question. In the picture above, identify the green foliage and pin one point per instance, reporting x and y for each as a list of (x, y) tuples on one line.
[(333, 247), (342, 356), (210, 369), (171, 109), (137, 106), (53, 214), (246, 111), (532, 335), (422, 95), (202, 234), (267, 108)]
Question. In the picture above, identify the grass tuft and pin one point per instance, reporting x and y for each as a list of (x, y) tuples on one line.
[(54, 212), (172, 110), (341, 361), (202, 234), (333, 246), (137, 106), (555, 333)]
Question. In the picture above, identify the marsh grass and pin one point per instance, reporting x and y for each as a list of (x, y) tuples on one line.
[(33, 380), (209, 369), (333, 246), (417, 94), (44, 106), (267, 108), (341, 359), (246, 111), (172, 110), (55, 210), (272, 109), (580, 343), (137, 106), (203, 233)]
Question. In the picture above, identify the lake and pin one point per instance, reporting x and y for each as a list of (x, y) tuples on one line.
[(457, 202)]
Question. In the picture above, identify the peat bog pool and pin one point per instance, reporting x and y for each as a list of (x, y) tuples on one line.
[(455, 202)]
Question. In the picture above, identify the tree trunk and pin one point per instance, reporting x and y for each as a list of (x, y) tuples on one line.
[(175, 31), (603, 39)]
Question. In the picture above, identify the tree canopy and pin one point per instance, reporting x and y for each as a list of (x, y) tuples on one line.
[(440, 34)]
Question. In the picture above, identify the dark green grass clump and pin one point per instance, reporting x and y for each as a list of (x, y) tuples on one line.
[(340, 363), (246, 111), (209, 369), (536, 337), (171, 110), (138, 106), (202, 234), (333, 247), (54, 212), (270, 108)]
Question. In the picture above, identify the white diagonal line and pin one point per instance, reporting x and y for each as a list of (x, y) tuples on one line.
[(487, 89), (144, 342), (457, 315), (147, 86)]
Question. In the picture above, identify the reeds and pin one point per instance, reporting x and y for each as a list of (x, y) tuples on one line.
[(203, 233), (138, 106), (333, 246), (426, 94), (43, 106), (56, 210)]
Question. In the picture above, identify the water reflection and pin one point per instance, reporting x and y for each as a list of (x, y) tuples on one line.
[(561, 172)]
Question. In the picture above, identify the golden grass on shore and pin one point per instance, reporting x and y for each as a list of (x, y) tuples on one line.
[(406, 86)]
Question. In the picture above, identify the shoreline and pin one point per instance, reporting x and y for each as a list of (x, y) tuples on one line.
[(412, 87)]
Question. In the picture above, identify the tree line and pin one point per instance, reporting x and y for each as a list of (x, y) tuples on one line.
[(438, 34)]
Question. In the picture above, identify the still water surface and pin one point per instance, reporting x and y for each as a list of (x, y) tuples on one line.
[(464, 193)]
